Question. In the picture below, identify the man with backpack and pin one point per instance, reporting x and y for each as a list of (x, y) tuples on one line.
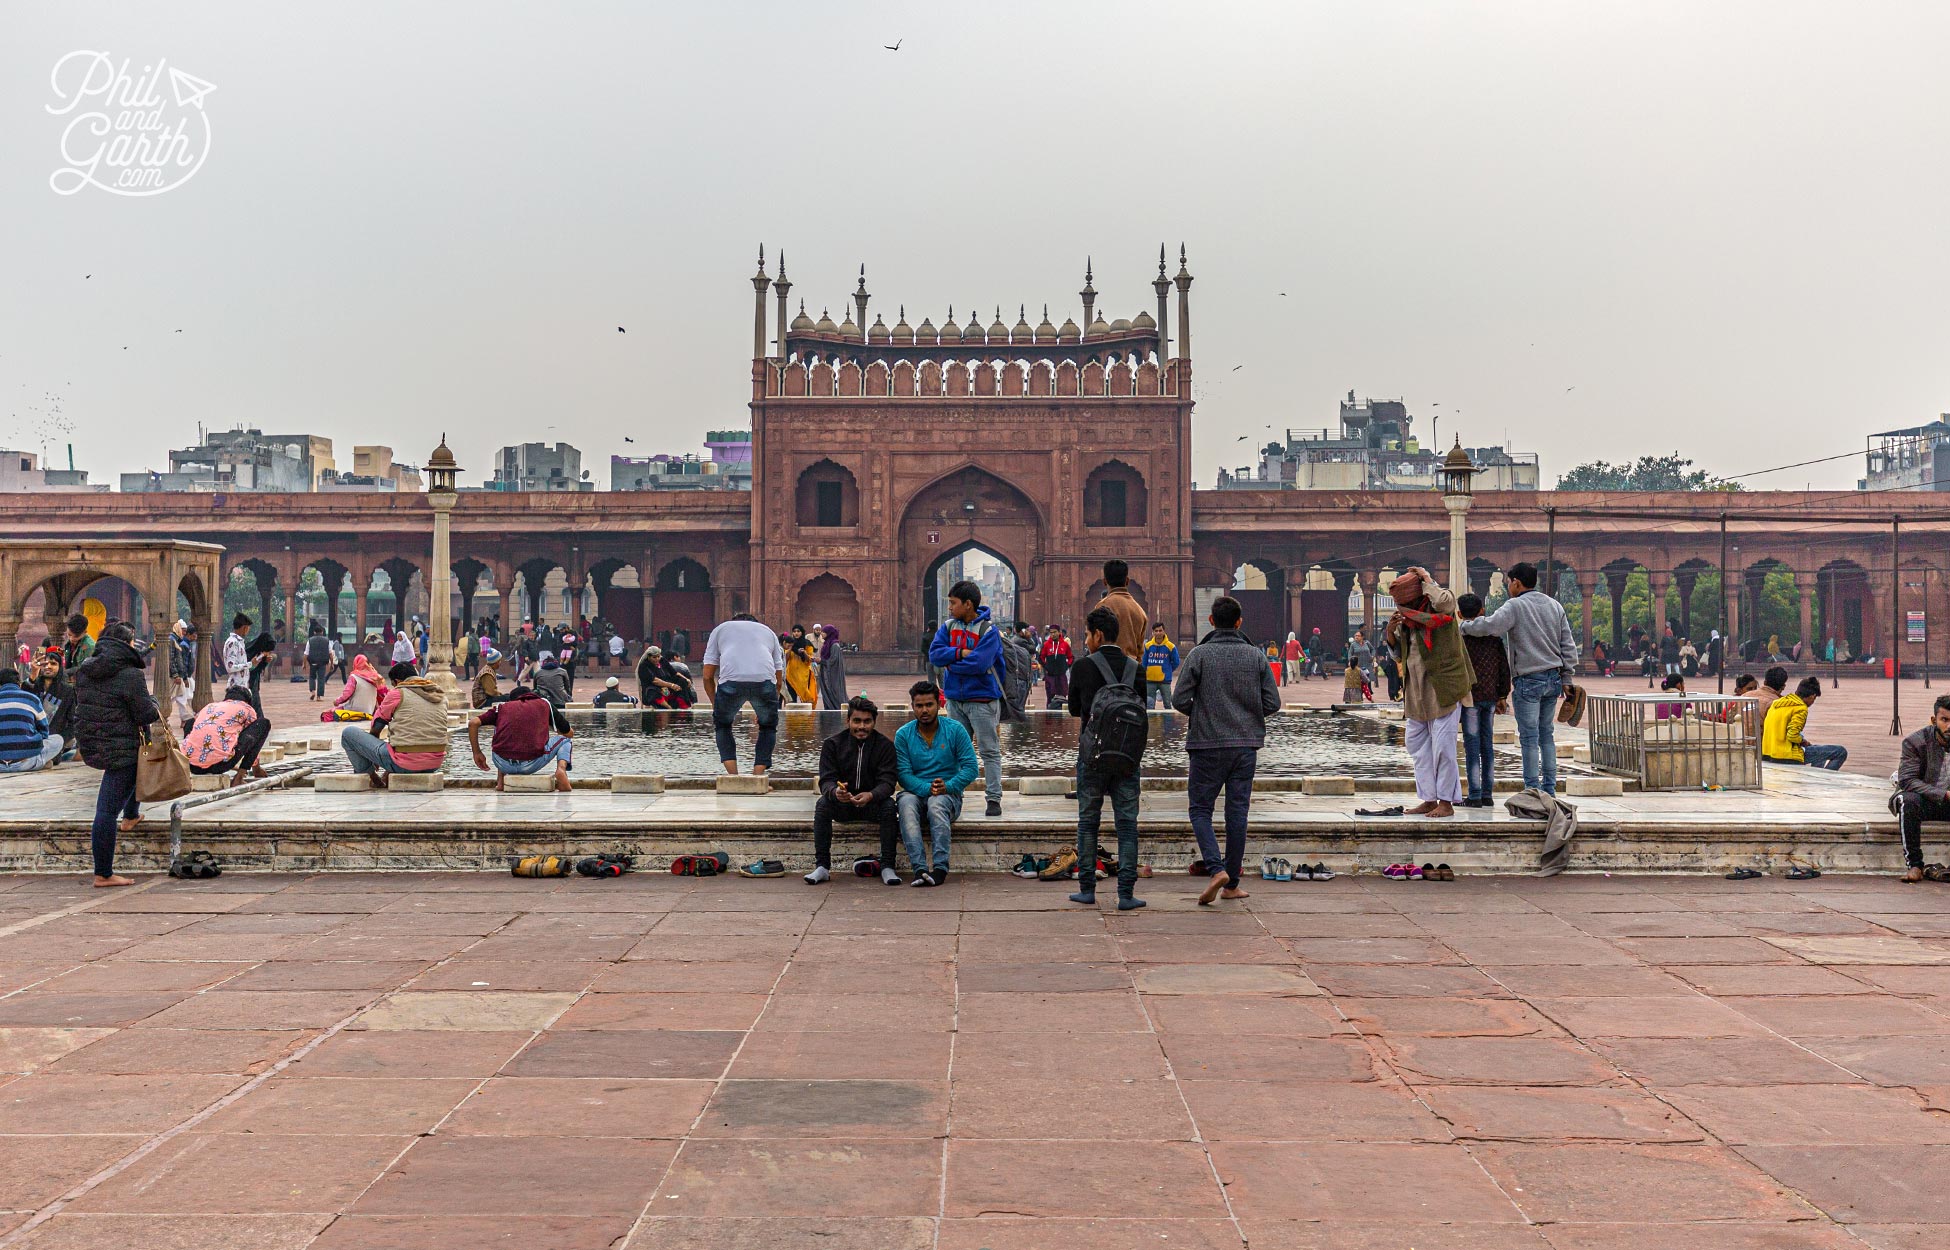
[(1226, 691), (1107, 695), (967, 648), (318, 660)]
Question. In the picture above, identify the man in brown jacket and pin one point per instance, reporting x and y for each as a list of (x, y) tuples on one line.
[(1436, 681), (1132, 622)]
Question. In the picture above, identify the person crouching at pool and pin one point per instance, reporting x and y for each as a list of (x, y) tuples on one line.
[(1436, 680), (530, 734), (858, 774), (936, 762), (412, 714)]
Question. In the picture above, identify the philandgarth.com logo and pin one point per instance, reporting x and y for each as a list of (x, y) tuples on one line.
[(123, 135)]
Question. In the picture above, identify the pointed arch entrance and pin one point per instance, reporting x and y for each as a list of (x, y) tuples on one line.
[(966, 510), (992, 571)]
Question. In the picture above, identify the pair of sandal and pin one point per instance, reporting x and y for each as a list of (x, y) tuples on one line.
[(700, 865), (1274, 869), (196, 866), (605, 865), (762, 868), (1929, 872), (540, 866), (1029, 867), (1426, 872)]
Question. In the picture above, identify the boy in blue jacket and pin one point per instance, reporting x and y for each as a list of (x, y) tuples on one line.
[(1160, 660), (935, 761), (967, 649)]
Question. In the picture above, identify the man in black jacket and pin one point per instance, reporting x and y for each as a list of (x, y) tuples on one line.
[(112, 708), (1923, 784), (1226, 689), (857, 780), (1086, 681)]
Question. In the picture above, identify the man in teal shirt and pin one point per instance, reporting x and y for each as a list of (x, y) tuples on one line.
[(936, 762)]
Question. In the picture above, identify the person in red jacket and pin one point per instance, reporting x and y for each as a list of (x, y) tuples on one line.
[(1056, 658)]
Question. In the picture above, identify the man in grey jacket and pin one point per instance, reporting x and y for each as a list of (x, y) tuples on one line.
[(1543, 652), (1226, 688)]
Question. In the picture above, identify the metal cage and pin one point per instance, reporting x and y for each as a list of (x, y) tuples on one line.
[(1677, 742)]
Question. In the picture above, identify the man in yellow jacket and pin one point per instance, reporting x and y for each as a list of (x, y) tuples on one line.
[(1160, 661), (1781, 736)]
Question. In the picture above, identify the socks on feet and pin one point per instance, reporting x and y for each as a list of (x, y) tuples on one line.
[(1087, 897), (889, 877), (1126, 902), (819, 876)]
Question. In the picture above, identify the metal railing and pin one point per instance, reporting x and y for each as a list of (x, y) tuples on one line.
[(1677, 742)]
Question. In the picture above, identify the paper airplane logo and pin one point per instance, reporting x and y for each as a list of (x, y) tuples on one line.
[(189, 89)]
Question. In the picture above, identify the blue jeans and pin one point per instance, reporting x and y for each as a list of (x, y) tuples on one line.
[(1211, 769), (733, 695), (558, 751), (1123, 792), (1479, 750), (115, 798), (51, 748), (1831, 758), (940, 811), (980, 720), (1533, 697)]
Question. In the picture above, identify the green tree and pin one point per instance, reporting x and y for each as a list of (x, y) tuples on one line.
[(1671, 472)]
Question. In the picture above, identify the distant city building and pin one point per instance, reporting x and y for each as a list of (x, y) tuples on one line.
[(373, 469), (728, 468), (1376, 449), (1912, 459), (22, 471), (242, 460), (539, 467)]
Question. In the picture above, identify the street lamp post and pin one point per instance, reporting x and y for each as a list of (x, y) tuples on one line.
[(1457, 479), (441, 471)]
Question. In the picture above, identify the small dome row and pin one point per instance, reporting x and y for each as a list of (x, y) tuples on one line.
[(951, 334)]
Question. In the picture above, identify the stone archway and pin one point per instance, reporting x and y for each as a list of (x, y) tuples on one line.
[(966, 508), (829, 600)]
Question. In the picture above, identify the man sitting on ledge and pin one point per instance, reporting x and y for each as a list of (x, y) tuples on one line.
[(228, 733), (936, 761), (530, 734), (412, 714), (1923, 784), (858, 774)]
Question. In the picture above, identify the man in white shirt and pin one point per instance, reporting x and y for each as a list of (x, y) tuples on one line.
[(236, 653), (743, 663)]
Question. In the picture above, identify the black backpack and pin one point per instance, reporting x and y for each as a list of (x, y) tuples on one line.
[(318, 649), (1113, 741)]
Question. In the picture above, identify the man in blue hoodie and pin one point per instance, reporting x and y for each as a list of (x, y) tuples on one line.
[(968, 650)]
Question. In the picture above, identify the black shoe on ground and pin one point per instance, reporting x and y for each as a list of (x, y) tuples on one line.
[(994, 808)]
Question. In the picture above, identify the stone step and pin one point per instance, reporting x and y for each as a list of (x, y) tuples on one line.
[(1044, 785), (213, 781), (636, 783), (744, 784), (1327, 785), (415, 783), (340, 783), (535, 783)]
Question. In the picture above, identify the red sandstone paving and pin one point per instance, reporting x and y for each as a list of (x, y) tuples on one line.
[(709, 1065)]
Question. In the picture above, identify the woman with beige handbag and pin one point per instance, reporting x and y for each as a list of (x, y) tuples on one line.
[(112, 708)]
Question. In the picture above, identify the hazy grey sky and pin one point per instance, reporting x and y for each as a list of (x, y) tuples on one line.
[(1722, 224)]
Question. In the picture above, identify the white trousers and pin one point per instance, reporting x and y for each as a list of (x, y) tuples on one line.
[(1432, 749)]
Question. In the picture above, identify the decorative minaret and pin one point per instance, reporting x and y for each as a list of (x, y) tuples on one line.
[(759, 283), (1184, 281), (1088, 294), (1161, 285), (782, 286), (860, 302)]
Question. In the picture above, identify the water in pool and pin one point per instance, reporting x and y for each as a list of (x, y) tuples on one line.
[(681, 745)]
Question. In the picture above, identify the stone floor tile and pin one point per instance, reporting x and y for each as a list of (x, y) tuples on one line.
[(1773, 979), (121, 977), (1115, 1108), (668, 1053), (377, 976), (1556, 1113), (1153, 948), (1857, 1015), (1130, 1180), (1376, 1234), (411, 1053), (26, 1049), (46, 1009), (821, 1055), (592, 948), (1005, 1233), (1565, 1181), (499, 1175), (325, 1106), (1902, 1236), (510, 975), (903, 949), (1231, 1014), (1376, 950), (410, 947), (1446, 1017), (668, 946), (1665, 1062), (467, 1011), (827, 1109), (1302, 924), (1897, 979), (137, 1052), (1691, 1016), (1007, 950), (839, 1180), (1273, 1110), (647, 976), (1812, 1115), (580, 1107), (1224, 979), (1496, 1061), (663, 1011), (474, 1232), (1338, 1181), (1867, 950), (1874, 1184), (1727, 950), (884, 922), (1678, 924), (1705, 1235), (176, 1232), (266, 1009), (1406, 981), (41, 1169), (1052, 1057), (1914, 1060), (271, 922), (198, 944), (245, 1174), (56, 1103), (18, 976), (1034, 978), (1088, 1012), (889, 1014), (1573, 952)]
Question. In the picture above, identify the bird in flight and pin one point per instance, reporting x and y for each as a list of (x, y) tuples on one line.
[(1237, 368), (86, 276), (1242, 438), (896, 45), (628, 439), (1569, 389), (621, 330), (179, 332)]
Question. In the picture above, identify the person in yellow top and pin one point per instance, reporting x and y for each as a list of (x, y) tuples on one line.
[(1782, 737), (1160, 661), (800, 675)]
